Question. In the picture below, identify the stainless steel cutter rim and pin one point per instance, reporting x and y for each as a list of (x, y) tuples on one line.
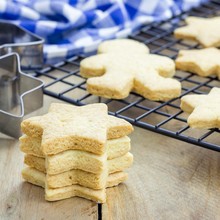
[(40, 39), (25, 93)]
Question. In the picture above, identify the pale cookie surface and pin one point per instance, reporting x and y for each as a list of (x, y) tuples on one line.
[(206, 31), (38, 178), (68, 160), (204, 62), (115, 147), (70, 127), (204, 109), (113, 165), (117, 71), (116, 127), (122, 45), (71, 177), (79, 127), (76, 176)]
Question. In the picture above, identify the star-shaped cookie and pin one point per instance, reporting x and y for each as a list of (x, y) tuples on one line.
[(78, 128), (85, 171), (206, 31), (204, 62), (38, 178), (123, 66), (71, 127), (204, 109)]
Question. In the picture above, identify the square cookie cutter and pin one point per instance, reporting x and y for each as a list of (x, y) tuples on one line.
[(19, 40), (20, 94)]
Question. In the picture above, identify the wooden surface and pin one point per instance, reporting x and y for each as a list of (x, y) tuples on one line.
[(169, 180)]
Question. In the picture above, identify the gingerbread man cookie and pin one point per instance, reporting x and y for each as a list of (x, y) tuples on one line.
[(124, 66)]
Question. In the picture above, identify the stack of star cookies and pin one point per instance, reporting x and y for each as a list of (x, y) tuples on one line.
[(76, 151)]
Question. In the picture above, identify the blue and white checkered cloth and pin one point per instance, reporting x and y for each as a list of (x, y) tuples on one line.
[(70, 27)]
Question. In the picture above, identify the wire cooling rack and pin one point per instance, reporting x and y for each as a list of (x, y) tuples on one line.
[(64, 82)]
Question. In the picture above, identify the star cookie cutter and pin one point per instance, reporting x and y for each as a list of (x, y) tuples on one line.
[(19, 40), (20, 94)]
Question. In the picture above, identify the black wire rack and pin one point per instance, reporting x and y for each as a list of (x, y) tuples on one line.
[(64, 82)]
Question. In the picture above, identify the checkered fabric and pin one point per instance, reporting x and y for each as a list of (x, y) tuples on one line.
[(72, 27)]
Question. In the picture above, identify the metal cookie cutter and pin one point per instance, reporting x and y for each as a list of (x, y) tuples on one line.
[(20, 94), (29, 46)]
